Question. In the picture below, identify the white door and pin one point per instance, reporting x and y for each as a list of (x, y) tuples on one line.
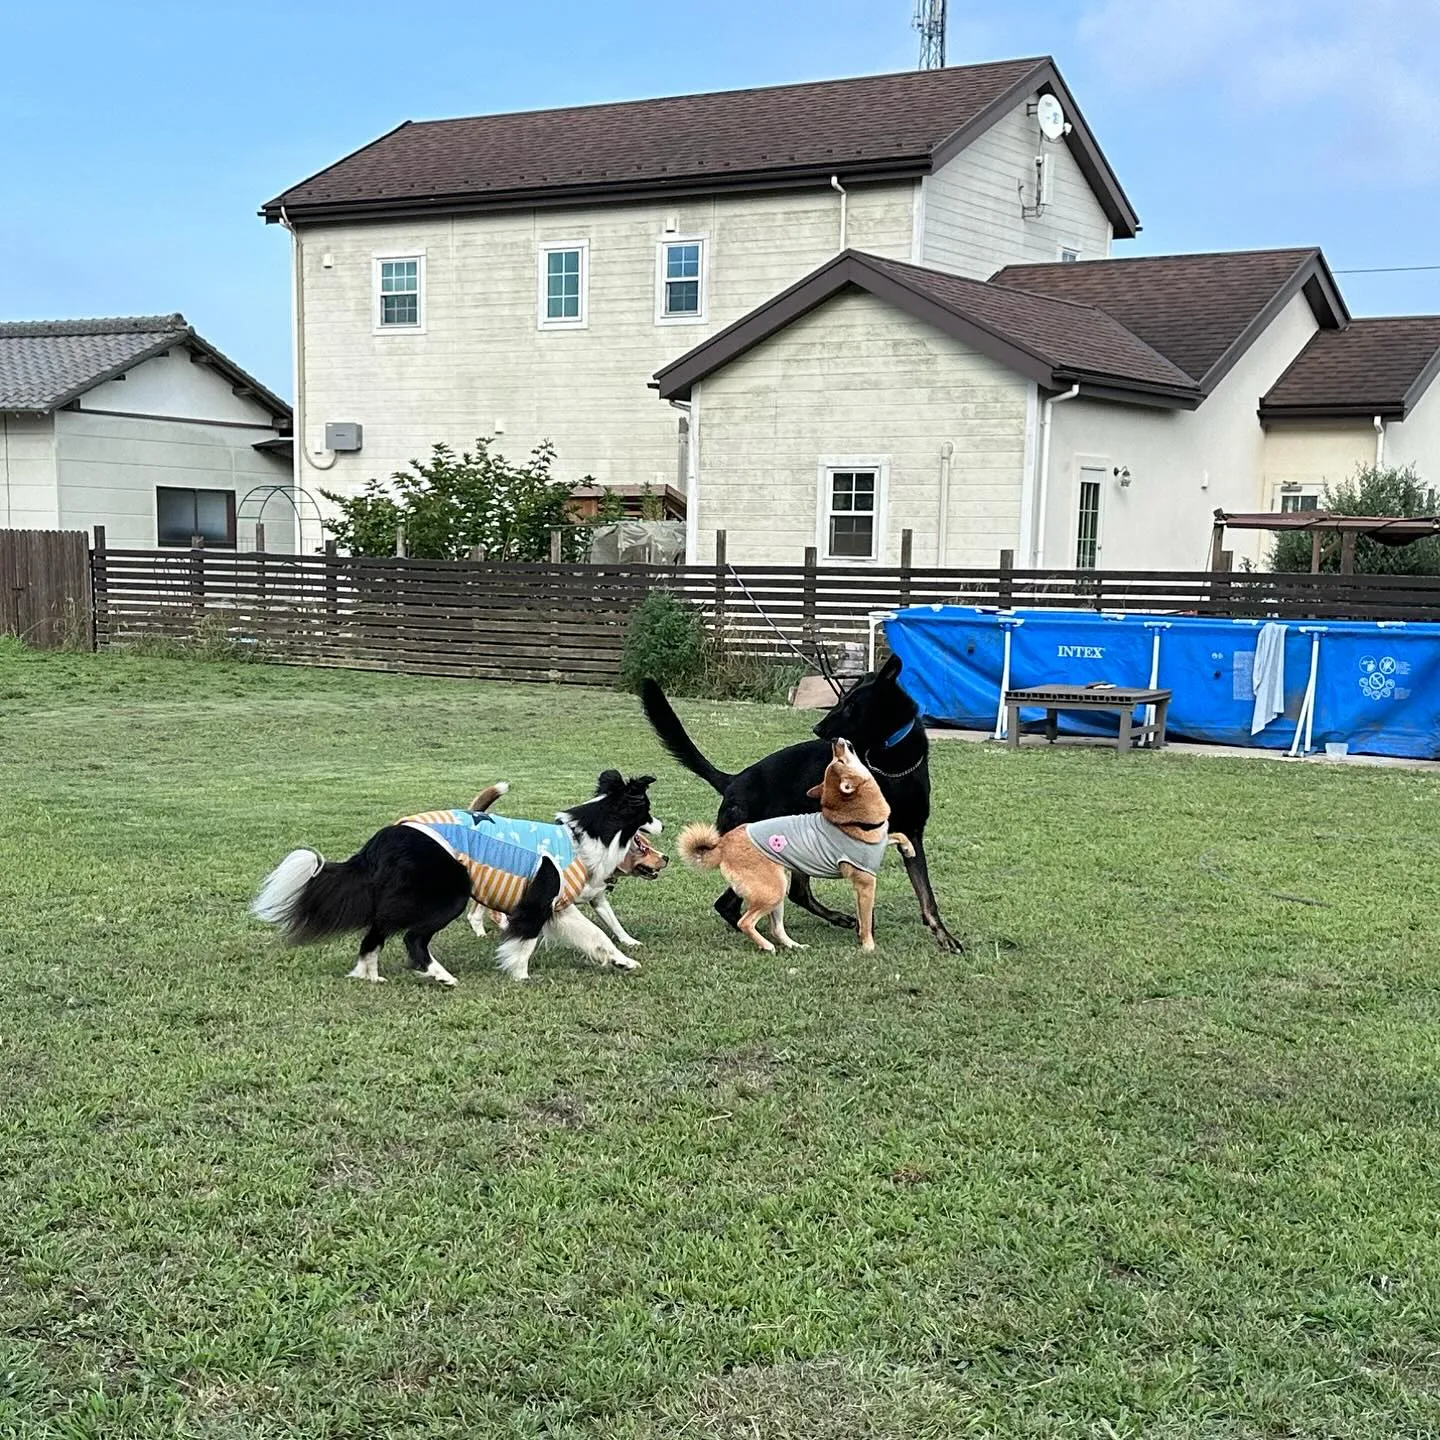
[(1087, 520)]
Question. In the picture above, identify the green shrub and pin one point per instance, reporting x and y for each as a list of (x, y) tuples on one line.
[(1370, 491), (668, 642)]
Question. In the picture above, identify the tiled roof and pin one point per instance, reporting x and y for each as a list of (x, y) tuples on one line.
[(1378, 366), (45, 364), (1195, 309), (872, 125)]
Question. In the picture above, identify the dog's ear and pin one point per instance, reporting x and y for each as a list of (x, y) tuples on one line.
[(609, 782), (890, 670), (814, 792), (642, 782)]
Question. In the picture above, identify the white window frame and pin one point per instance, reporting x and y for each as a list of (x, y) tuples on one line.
[(699, 317), (376, 258), (824, 494), (1062, 251), (1300, 488), (1101, 464), (548, 248)]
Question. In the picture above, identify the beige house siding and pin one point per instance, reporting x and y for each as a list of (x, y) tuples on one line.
[(972, 219), (484, 366), (1183, 464), (28, 499), (1416, 439), (858, 381), (1313, 454)]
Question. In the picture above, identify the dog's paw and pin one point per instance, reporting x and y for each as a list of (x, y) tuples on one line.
[(795, 945), (624, 962), (365, 975)]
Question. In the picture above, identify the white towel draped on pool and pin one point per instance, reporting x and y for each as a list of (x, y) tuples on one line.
[(1268, 676)]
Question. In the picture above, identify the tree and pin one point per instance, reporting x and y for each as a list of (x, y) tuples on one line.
[(452, 503), (1372, 490)]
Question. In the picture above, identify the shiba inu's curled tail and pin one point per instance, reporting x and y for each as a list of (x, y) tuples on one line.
[(699, 845)]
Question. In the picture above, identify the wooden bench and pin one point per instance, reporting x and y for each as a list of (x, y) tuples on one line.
[(1054, 698)]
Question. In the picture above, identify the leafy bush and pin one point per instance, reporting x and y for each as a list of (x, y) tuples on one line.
[(1371, 491), (452, 503), (668, 642)]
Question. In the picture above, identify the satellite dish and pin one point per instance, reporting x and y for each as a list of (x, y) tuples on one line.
[(1051, 117)]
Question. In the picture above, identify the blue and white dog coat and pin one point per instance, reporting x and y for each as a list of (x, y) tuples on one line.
[(501, 855)]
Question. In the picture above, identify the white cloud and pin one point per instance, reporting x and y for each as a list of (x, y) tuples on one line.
[(1353, 80)]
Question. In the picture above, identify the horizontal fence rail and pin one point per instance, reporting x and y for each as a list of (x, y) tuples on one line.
[(568, 622)]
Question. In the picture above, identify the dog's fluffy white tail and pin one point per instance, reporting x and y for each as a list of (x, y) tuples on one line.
[(283, 886)]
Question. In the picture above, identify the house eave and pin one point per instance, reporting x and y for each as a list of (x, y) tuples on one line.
[(1348, 410), (609, 192)]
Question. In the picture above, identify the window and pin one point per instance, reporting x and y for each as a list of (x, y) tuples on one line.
[(852, 514), (397, 292), (1291, 503), (181, 514), (682, 280), (1087, 530), (1068, 256), (564, 280)]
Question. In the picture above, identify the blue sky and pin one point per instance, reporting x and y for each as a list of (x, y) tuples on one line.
[(141, 139)]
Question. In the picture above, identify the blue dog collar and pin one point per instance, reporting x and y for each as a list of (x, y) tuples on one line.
[(898, 736)]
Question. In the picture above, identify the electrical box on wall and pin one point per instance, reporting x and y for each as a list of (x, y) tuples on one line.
[(344, 435)]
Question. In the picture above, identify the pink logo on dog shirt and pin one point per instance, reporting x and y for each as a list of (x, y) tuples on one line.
[(777, 843)]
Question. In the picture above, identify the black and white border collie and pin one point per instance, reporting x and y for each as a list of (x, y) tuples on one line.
[(401, 882)]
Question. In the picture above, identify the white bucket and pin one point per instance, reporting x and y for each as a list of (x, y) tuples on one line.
[(1336, 749)]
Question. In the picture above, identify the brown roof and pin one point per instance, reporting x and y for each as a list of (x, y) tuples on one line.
[(1054, 342), (872, 127), (1201, 311), (1379, 366)]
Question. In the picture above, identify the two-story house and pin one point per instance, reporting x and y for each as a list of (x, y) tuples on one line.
[(525, 275)]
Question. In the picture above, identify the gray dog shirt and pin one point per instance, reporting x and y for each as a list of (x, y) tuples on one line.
[(815, 847)]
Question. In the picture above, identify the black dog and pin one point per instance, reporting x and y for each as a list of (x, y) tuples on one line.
[(882, 723)]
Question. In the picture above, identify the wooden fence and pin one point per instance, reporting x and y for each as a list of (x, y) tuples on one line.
[(568, 622), (45, 587)]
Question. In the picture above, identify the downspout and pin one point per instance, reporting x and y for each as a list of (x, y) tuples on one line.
[(691, 410), (1379, 442), (942, 528), (5, 435), (839, 189), (1043, 489)]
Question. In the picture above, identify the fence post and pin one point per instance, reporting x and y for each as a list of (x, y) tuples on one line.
[(808, 596), (1314, 552), (331, 614), (197, 578), (1005, 588), (556, 547), (719, 583), (98, 599), (907, 556), (259, 568), (1347, 553), (400, 540)]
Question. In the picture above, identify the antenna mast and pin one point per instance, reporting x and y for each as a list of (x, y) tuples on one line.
[(930, 22)]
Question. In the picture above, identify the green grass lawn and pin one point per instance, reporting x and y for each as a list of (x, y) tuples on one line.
[(1157, 1157)]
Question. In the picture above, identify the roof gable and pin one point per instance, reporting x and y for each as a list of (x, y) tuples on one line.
[(870, 127), (1053, 342), (1201, 311), (1377, 366), (46, 364)]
